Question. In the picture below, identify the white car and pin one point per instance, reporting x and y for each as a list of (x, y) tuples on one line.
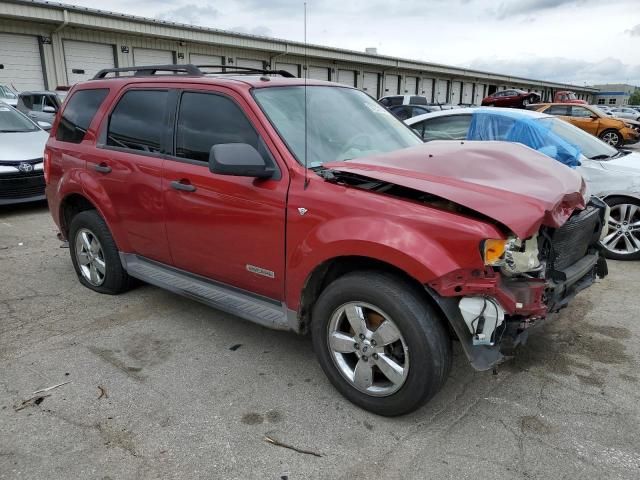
[(613, 175), (21, 150), (8, 95), (625, 112)]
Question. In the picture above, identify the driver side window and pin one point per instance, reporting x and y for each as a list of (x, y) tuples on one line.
[(452, 127)]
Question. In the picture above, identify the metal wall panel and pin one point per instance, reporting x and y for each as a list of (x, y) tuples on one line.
[(292, 68), (480, 93), (318, 73), (426, 88), (20, 55), (440, 95), (150, 56), (391, 85), (250, 63), (370, 83), (84, 59), (454, 94), (200, 59), (467, 93)]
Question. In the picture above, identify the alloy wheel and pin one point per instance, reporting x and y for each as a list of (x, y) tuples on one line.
[(368, 349), (624, 229), (90, 257), (611, 138)]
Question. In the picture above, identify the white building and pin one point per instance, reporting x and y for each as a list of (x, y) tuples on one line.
[(45, 44)]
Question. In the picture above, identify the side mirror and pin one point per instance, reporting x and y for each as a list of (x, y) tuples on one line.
[(48, 109), (44, 125), (239, 159)]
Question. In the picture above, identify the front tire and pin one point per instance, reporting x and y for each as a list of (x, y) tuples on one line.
[(623, 240), (94, 254), (612, 137), (380, 343)]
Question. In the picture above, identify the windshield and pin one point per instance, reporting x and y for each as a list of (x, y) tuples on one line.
[(12, 121), (590, 146), (342, 123), (6, 92)]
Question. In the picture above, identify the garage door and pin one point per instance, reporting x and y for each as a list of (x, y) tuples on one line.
[(441, 91), (319, 73), (199, 59), (467, 93), (150, 56), (250, 63), (411, 85), (370, 84), (347, 77), (292, 68), (20, 56), (391, 85), (479, 93), (84, 59), (426, 88), (456, 90)]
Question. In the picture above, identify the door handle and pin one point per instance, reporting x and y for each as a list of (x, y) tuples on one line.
[(102, 168), (181, 185)]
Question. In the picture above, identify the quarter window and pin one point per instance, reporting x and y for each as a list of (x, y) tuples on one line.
[(137, 122), (205, 120), (558, 110), (580, 112), (78, 113)]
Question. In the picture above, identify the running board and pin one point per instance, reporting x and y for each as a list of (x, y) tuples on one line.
[(263, 311)]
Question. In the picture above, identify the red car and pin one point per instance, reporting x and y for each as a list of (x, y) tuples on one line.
[(381, 247), (567, 96), (511, 98)]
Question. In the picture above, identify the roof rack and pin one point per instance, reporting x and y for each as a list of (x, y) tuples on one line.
[(188, 69)]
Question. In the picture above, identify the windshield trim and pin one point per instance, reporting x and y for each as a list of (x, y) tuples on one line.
[(306, 165)]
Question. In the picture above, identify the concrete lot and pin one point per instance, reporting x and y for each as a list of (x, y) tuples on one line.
[(180, 402)]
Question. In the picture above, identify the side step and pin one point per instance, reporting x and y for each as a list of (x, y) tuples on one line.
[(261, 310)]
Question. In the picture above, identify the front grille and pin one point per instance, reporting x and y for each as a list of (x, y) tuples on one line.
[(570, 242), (21, 185)]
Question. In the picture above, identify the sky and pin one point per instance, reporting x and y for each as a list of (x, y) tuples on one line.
[(573, 41)]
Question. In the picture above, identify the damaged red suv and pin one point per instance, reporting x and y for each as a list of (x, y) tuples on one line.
[(381, 247)]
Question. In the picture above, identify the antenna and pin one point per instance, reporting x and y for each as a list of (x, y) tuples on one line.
[(306, 74)]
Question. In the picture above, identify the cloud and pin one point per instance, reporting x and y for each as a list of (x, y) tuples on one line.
[(529, 7), (190, 14), (565, 70), (634, 31)]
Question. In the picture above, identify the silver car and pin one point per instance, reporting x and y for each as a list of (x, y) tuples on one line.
[(40, 106), (8, 95), (625, 112), (22, 144)]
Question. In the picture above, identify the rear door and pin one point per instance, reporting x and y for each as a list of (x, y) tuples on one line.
[(126, 168), (227, 228)]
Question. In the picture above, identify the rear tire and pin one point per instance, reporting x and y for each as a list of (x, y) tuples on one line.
[(623, 240), (612, 137), (95, 255), (415, 342)]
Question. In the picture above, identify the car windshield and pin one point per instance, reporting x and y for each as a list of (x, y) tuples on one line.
[(590, 146), (6, 92), (342, 123), (12, 121)]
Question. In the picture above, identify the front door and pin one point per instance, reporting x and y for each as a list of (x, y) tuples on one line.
[(585, 119), (227, 228)]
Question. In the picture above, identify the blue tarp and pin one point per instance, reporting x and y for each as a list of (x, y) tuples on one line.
[(513, 126)]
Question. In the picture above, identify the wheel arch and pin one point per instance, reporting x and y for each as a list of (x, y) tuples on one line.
[(629, 195), (70, 206)]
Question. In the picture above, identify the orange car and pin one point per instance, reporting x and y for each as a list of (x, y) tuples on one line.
[(616, 132)]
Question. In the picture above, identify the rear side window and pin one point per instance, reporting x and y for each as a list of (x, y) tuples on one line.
[(453, 127), (558, 110), (77, 115), (137, 122), (205, 120), (417, 100)]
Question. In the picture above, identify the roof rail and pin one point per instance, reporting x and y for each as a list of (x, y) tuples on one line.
[(188, 69), (226, 69), (146, 70)]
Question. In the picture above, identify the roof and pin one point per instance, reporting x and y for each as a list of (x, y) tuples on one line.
[(82, 17), (469, 111)]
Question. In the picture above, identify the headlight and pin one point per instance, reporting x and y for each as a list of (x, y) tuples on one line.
[(628, 125), (493, 250)]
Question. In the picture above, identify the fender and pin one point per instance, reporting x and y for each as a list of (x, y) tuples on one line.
[(395, 241), (619, 193)]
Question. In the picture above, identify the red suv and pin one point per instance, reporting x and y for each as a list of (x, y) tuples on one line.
[(311, 208)]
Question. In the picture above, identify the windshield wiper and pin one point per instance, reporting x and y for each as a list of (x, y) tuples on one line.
[(14, 131)]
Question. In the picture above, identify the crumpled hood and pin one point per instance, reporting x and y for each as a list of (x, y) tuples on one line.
[(508, 182)]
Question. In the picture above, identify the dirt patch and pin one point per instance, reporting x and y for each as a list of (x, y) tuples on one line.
[(252, 418), (114, 436), (535, 424), (593, 380), (274, 416), (619, 333), (147, 350), (110, 356), (628, 378)]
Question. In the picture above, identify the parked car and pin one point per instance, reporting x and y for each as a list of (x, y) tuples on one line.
[(21, 147), (407, 106), (613, 131), (407, 111), (511, 98), (603, 108), (613, 175), (8, 95), (39, 106), (626, 112), (199, 184), (567, 96)]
